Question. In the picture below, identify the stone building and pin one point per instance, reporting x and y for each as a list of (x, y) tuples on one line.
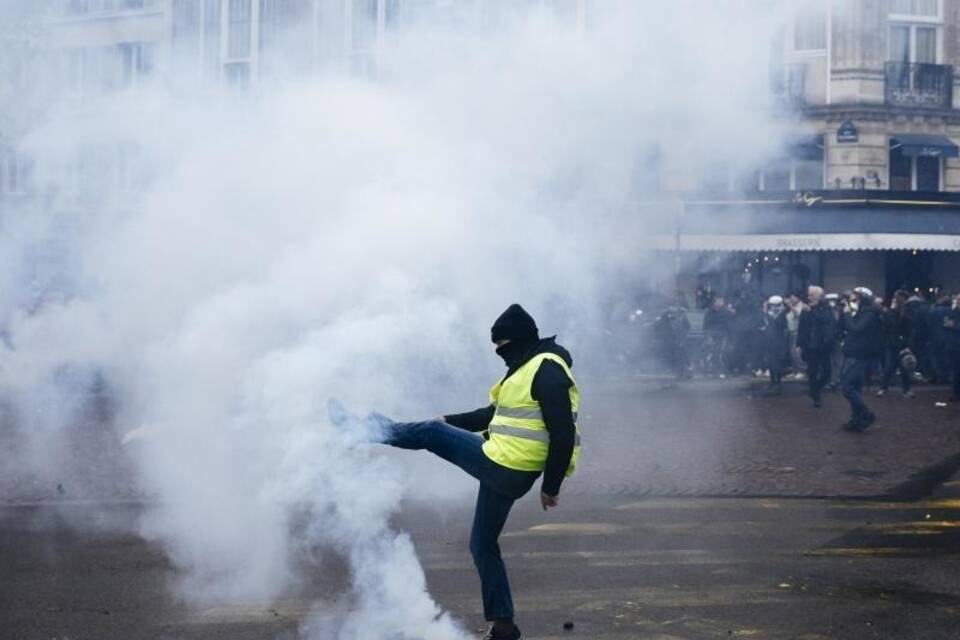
[(868, 193)]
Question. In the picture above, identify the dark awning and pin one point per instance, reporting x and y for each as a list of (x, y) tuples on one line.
[(931, 145)]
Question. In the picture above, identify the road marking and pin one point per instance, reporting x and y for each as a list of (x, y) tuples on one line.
[(570, 528)]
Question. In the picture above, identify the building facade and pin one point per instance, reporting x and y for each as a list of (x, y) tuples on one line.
[(864, 192), (867, 191)]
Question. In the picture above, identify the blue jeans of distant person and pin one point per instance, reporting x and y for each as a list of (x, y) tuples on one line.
[(851, 384), (499, 488)]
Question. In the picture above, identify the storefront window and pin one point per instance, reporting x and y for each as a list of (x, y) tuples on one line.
[(901, 171), (928, 174)]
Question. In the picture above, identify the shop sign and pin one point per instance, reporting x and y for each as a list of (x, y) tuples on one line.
[(848, 132), (798, 243), (929, 152)]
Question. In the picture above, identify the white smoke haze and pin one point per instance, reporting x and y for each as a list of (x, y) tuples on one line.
[(330, 236)]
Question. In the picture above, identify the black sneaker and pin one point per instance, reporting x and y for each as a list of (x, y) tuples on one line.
[(512, 634)]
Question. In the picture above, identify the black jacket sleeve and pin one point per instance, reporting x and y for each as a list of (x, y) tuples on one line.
[(476, 420), (551, 388)]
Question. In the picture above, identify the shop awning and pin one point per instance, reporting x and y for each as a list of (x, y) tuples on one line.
[(925, 144), (804, 242)]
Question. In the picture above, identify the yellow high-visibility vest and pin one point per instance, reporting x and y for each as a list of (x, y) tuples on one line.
[(518, 436)]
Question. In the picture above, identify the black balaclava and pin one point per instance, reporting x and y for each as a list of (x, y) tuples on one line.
[(517, 326)]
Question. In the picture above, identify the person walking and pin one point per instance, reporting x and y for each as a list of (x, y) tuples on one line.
[(795, 308), (528, 430), (863, 341), (716, 330), (896, 338), (776, 341), (918, 311), (939, 355), (836, 357), (816, 334), (951, 325)]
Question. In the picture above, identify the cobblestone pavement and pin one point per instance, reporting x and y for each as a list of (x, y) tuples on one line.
[(648, 436), (691, 518), (728, 438)]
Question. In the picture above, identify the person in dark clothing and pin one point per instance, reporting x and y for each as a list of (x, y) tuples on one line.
[(716, 336), (939, 355), (918, 312), (863, 341), (896, 338), (951, 326), (672, 328), (528, 430), (716, 319), (776, 341), (816, 335)]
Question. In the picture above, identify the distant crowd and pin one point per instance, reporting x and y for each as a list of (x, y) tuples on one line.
[(842, 341)]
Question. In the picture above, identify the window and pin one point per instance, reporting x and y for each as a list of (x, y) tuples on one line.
[(777, 177), (211, 38), (279, 16), (921, 173), (14, 174), (238, 33), (810, 29), (237, 74), (135, 63), (926, 8), (928, 174), (186, 18), (913, 43), (364, 24), (808, 174)]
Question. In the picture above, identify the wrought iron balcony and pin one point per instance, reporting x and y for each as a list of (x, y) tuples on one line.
[(919, 85)]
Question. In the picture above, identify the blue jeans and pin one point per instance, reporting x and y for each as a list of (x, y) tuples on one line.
[(499, 488), (851, 384)]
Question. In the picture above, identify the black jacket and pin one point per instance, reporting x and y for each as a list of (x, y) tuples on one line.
[(951, 330), (717, 321), (817, 329), (864, 334), (897, 332), (776, 338), (551, 388)]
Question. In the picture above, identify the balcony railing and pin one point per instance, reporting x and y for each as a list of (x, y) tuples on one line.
[(919, 85)]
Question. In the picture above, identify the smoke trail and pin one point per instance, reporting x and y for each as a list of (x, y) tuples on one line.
[(330, 236)]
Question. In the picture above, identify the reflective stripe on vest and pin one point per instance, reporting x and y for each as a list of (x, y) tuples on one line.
[(518, 436), (529, 434), (523, 414)]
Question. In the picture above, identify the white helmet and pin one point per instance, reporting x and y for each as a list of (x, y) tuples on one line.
[(775, 300)]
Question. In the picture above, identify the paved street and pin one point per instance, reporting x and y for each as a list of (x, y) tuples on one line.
[(703, 511)]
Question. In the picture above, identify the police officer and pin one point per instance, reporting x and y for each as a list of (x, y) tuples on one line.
[(528, 430)]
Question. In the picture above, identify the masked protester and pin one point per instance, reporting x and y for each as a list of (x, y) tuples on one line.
[(816, 336), (528, 430), (863, 342)]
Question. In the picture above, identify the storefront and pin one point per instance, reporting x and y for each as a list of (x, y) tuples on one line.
[(839, 240)]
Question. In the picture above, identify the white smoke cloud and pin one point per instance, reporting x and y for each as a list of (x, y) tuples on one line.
[(336, 237)]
